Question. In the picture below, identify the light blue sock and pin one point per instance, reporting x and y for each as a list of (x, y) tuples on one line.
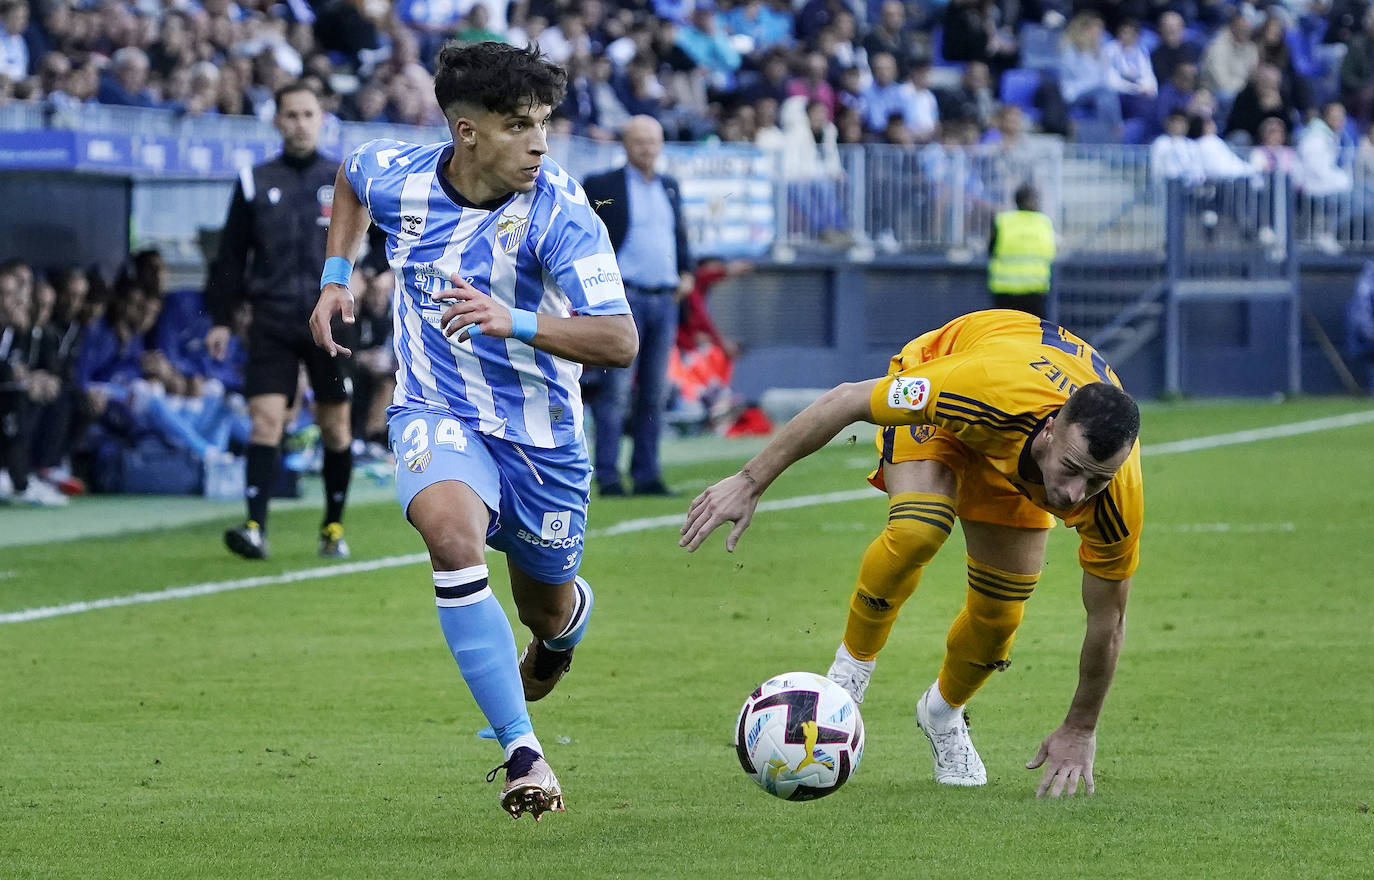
[(577, 624), (481, 640)]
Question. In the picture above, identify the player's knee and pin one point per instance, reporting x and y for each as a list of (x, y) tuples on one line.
[(452, 549), (917, 526)]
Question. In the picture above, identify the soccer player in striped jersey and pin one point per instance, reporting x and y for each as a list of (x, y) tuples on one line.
[(506, 285), (1005, 422)]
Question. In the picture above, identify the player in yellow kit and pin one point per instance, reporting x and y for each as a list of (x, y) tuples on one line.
[(1005, 422)]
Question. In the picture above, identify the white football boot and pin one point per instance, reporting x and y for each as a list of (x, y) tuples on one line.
[(956, 760), (851, 674)]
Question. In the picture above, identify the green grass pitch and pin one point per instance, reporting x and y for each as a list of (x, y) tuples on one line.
[(320, 728)]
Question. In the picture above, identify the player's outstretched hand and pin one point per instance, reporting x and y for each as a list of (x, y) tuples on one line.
[(473, 312), (334, 299), (1068, 758), (733, 499)]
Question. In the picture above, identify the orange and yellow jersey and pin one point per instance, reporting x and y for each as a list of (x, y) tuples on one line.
[(992, 379)]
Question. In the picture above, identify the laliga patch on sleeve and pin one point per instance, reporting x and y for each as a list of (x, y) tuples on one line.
[(908, 393), (599, 276)]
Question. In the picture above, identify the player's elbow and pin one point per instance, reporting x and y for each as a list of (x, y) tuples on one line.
[(848, 401), (623, 345)]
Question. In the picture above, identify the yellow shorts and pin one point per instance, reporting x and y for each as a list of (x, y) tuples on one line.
[(983, 495)]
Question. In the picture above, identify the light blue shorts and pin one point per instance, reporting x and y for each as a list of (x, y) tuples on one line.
[(537, 497)]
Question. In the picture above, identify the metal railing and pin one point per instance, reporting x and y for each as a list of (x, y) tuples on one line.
[(862, 200)]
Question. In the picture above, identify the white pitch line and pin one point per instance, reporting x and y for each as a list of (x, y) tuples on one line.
[(655, 522), (1255, 434)]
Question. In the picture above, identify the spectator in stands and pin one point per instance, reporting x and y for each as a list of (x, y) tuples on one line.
[(27, 383), (1326, 184), (972, 32), (430, 20), (14, 50), (1357, 72), (1272, 153), (920, 109), (894, 35), (642, 210), (1084, 72), (814, 172), (765, 27), (1261, 98), (1172, 155), (126, 82), (972, 99), (837, 41), (1130, 74), (813, 82), (1174, 47), (1218, 160), (770, 81), (476, 27), (1272, 41), (885, 96), (1177, 94), (1230, 59), (707, 43)]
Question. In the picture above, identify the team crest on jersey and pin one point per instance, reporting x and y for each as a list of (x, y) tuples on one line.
[(418, 464), (922, 433), (510, 231), (908, 393), (412, 224)]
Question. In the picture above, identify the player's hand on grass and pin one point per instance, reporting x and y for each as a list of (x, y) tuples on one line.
[(473, 312), (733, 499), (335, 299), (1067, 755)]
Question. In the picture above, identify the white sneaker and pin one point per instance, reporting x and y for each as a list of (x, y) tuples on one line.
[(41, 494), (851, 674), (956, 760)]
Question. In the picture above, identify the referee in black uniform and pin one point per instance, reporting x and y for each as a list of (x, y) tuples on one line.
[(270, 253)]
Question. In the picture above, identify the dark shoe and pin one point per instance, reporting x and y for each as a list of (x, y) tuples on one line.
[(247, 541), (655, 487), (541, 667), (610, 490)]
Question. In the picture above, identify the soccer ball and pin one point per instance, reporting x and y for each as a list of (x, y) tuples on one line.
[(799, 736)]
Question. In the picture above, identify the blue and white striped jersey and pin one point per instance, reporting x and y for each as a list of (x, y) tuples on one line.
[(545, 251)]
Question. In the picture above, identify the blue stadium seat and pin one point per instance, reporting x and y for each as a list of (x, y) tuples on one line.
[(1018, 87), (1039, 47)]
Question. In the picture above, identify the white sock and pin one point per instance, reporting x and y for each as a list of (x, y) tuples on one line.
[(941, 712), (527, 740), (842, 653)]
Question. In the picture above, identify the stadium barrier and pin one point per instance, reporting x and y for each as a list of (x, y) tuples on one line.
[(740, 201)]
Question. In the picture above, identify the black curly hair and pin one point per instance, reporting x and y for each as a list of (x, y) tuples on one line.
[(1109, 417), (497, 77)]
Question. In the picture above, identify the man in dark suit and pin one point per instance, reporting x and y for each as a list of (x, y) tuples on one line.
[(642, 210)]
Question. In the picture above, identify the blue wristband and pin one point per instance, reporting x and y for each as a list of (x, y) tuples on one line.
[(524, 324), (337, 270)]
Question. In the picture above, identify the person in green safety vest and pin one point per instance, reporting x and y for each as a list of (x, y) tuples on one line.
[(1020, 253)]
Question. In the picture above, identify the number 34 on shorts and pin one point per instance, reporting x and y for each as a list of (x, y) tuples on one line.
[(413, 451)]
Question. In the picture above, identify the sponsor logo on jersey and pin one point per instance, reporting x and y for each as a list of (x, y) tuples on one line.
[(555, 524), (600, 278), (510, 231), (412, 224), (570, 542), (908, 393)]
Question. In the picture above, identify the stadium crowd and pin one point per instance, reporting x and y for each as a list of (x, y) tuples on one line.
[(879, 71)]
